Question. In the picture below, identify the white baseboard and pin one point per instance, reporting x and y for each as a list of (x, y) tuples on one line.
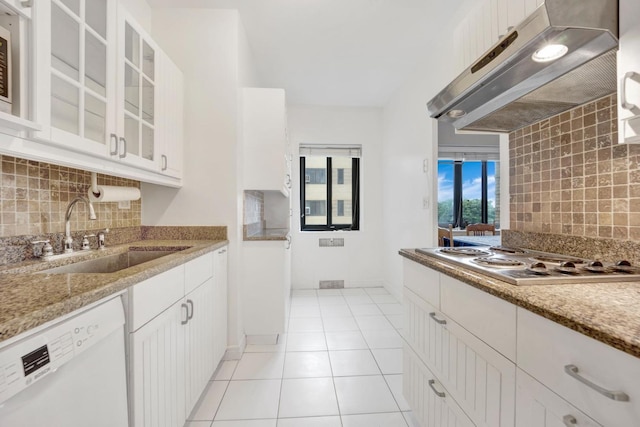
[(235, 352), (263, 339)]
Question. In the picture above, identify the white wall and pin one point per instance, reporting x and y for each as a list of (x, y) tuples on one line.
[(410, 139), (359, 262), (206, 45)]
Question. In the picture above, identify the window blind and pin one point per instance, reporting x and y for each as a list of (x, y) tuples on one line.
[(468, 153), (353, 151)]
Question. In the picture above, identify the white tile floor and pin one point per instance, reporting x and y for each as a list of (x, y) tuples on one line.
[(340, 365)]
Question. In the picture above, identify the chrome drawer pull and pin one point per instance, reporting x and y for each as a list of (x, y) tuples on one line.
[(569, 420), (631, 75), (438, 321), (572, 370), (190, 316), (186, 320), (438, 393)]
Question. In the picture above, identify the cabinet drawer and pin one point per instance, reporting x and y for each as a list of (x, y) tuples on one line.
[(537, 406), (151, 297), (423, 281), (198, 271), (431, 403), (421, 329), (546, 349), (487, 317)]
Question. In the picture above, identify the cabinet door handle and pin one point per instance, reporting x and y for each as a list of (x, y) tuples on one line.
[(190, 316), (221, 251), (113, 148), (164, 162), (123, 154), (438, 321), (287, 181), (186, 319), (573, 371), (433, 387), (631, 75), (288, 242), (569, 420)]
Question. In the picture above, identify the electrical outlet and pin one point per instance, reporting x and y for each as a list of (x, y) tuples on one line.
[(124, 204), (426, 202)]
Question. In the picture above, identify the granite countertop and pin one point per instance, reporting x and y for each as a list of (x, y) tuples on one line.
[(607, 312), (268, 234), (29, 299)]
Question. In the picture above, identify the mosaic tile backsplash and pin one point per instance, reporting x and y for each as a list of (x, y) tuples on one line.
[(34, 198), (569, 176)]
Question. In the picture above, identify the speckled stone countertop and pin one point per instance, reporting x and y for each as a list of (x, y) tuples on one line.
[(268, 234), (607, 312), (29, 299)]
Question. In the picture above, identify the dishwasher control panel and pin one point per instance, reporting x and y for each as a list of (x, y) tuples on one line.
[(41, 353)]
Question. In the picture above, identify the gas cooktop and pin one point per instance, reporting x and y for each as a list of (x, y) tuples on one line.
[(526, 267)]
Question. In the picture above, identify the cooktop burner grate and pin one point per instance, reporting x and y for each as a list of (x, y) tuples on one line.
[(498, 262), (534, 267), (558, 259), (506, 250), (463, 251)]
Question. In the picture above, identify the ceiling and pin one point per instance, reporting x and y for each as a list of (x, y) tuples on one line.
[(336, 52)]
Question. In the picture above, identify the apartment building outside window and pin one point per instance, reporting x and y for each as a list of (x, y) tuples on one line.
[(330, 187)]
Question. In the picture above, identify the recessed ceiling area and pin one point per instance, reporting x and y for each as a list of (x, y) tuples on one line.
[(336, 52)]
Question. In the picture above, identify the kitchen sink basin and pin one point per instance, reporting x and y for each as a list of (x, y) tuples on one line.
[(112, 263)]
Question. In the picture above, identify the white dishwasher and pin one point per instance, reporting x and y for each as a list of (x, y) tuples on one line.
[(71, 373)]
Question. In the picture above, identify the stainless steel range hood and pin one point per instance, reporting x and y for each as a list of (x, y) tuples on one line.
[(505, 89)]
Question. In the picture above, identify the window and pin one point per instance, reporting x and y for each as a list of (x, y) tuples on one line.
[(316, 208), (329, 190), (467, 192), (316, 176)]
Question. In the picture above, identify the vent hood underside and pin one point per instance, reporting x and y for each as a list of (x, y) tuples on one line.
[(506, 90), (593, 80)]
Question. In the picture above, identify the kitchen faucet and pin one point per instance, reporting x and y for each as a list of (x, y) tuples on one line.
[(68, 241)]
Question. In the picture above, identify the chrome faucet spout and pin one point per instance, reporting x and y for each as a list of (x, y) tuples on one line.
[(68, 241)]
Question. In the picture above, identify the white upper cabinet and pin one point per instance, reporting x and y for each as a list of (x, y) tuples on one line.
[(103, 88), (629, 72), (169, 130), (75, 80), (137, 91), (266, 149), (15, 48)]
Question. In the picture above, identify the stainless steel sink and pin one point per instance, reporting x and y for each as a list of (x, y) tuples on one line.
[(111, 263)]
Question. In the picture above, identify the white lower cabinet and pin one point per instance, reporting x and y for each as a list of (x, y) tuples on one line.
[(267, 287), (174, 354), (157, 370), (537, 406), (480, 379), (199, 341), (506, 366), (220, 303), (432, 405), (592, 376)]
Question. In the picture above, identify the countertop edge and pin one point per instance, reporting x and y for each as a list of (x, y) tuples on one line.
[(50, 312), (509, 293)]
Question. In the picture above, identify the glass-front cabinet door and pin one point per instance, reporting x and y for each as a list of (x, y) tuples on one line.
[(137, 95), (75, 76)]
